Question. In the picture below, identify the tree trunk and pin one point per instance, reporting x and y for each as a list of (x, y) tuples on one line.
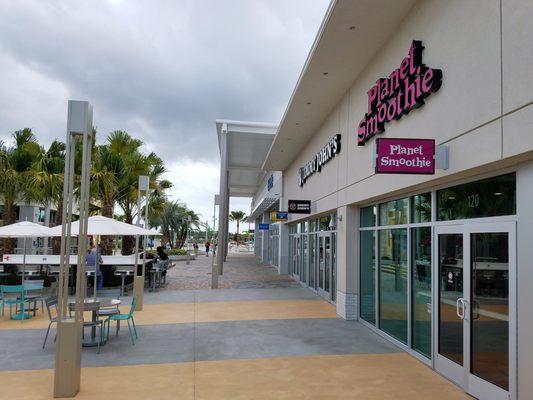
[(128, 242), (106, 242), (56, 241)]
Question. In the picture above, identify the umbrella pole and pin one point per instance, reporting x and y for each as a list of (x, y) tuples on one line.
[(95, 267), (24, 260)]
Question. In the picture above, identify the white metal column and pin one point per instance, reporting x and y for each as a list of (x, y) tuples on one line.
[(223, 195)]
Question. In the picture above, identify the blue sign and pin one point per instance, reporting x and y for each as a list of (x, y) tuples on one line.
[(270, 183), (276, 216), (263, 227)]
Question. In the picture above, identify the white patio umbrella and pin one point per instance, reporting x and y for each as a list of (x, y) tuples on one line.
[(102, 226), (26, 229)]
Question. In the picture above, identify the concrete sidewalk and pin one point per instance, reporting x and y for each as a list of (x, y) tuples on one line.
[(266, 343)]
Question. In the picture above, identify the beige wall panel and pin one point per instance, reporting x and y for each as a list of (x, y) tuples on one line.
[(517, 28), (472, 150), (320, 184), (344, 130), (470, 96), (518, 132), (467, 53)]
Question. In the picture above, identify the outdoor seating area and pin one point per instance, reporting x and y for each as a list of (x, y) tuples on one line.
[(23, 304), (29, 282)]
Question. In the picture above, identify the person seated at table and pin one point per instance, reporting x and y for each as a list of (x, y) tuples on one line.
[(161, 253), (91, 258), (162, 256)]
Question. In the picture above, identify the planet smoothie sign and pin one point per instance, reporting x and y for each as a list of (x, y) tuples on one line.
[(405, 156), (402, 91)]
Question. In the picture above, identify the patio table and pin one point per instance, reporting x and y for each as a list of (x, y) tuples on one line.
[(94, 305)]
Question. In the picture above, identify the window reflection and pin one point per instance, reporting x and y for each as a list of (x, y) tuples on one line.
[(393, 212), (421, 289), (450, 290), (393, 282), (485, 198), (490, 307)]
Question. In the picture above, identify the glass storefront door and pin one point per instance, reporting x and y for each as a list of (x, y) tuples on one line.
[(475, 288), (325, 265), (296, 255)]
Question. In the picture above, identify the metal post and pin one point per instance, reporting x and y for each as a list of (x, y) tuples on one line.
[(67, 374), (145, 237), (221, 208), (138, 280), (96, 265)]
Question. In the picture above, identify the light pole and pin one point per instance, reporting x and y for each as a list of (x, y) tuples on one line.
[(138, 280), (67, 371), (188, 220)]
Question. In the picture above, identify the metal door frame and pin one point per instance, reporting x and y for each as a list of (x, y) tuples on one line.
[(461, 374), (321, 236)]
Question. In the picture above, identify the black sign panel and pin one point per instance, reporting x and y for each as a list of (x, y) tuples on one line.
[(299, 206)]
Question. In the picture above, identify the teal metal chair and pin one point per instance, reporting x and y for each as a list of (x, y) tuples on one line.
[(125, 317), (14, 296)]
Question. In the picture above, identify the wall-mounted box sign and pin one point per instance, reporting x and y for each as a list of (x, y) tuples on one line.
[(276, 216), (396, 95), (300, 206), (329, 151), (270, 182), (263, 227), (405, 156)]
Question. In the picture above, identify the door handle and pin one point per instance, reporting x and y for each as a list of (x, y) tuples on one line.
[(460, 308), (461, 305)]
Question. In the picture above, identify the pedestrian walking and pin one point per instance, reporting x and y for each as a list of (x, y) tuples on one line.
[(207, 245)]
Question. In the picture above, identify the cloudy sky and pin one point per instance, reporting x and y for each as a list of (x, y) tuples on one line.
[(162, 70)]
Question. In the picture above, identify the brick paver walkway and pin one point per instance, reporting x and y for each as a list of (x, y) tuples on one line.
[(240, 272)]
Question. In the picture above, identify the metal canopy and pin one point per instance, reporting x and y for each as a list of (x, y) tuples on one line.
[(243, 147), (351, 35), (247, 147), (265, 204)]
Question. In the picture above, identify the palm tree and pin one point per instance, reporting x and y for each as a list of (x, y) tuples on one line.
[(45, 181), (174, 221), (104, 191), (15, 161), (237, 216), (133, 163)]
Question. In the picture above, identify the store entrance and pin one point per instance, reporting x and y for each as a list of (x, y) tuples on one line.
[(296, 256), (326, 266), (475, 324)]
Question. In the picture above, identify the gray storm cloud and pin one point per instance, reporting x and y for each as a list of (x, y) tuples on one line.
[(163, 70)]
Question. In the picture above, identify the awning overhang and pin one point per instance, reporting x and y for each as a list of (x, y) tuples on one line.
[(247, 146), (264, 205), (351, 34)]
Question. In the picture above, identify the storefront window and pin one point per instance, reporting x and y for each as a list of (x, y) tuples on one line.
[(312, 260), (368, 216), (368, 276), (485, 198), (42, 215), (303, 227), (421, 287), (421, 208), (333, 266), (393, 283), (393, 212), (324, 222), (305, 266)]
